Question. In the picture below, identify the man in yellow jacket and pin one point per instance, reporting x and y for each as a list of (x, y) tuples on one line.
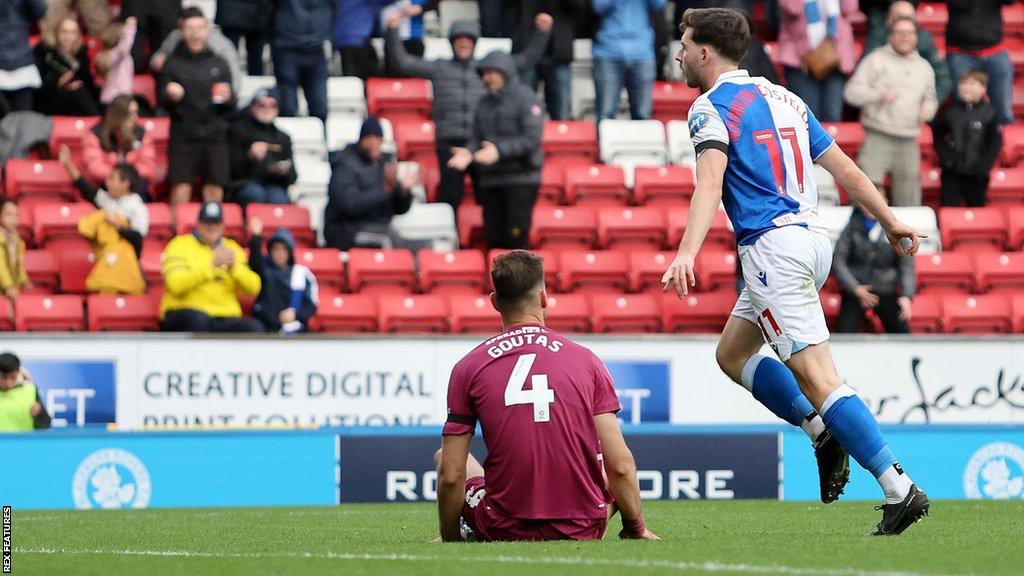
[(204, 273)]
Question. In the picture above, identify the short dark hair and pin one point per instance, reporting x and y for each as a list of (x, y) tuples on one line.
[(127, 172), (9, 363), (515, 276), (723, 29), (975, 74), (190, 12)]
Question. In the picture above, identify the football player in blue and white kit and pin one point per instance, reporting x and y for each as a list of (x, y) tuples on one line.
[(756, 144)]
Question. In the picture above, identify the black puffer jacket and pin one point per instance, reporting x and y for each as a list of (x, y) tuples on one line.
[(512, 119), (357, 197), (196, 115), (967, 137), (565, 13), (245, 15), (245, 130), (975, 24), (859, 259)]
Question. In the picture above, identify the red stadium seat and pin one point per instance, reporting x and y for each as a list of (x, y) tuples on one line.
[(926, 314), (42, 178), (587, 272), (1013, 144), (345, 313), (473, 314), (646, 270), (68, 131), (470, 221), (27, 219), (290, 216), (631, 228), (719, 234), (698, 313), (1015, 225), (672, 100), (715, 269), (595, 184), (423, 313), (387, 271), (415, 139), (122, 313), (552, 183), (568, 312), (398, 97), (160, 222), (663, 185), (75, 260), (1000, 272), (830, 305), (234, 226), (932, 16), (159, 129), (974, 229), (145, 85), (946, 273), (570, 226), (454, 272), (1017, 309), (6, 316), (977, 314), (56, 220), (576, 138), (931, 188), (848, 135), (1006, 186), (552, 265), (57, 313), (42, 270), (626, 313), (326, 264), (152, 261)]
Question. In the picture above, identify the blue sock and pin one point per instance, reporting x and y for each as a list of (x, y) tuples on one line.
[(774, 386)]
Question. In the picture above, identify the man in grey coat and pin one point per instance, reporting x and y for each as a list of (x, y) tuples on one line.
[(505, 148), (457, 88)]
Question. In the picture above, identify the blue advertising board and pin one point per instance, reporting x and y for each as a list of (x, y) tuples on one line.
[(644, 390), (76, 392)]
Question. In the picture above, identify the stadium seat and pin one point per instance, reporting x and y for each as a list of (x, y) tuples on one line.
[(1006, 186), (453, 272), (931, 187), (672, 100), (848, 135), (922, 218), (342, 130), (430, 222), (68, 131), (345, 313), (626, 313), (399, 97), (632, 143), (313, 176), (1015, 225), (834, 219), (663, 185), (698, 313), (680, 146), (475, 314), (1017, 310), (415, 138), (152, 261), (631, 228), (470, 221), (946, 273), (422, 313), (932, 16), (159, 221), (144, 85), (56, 220), (595, 184), (1000, 272), (275, 216), (307, 134), (830, 305), (646, 270), (1013, 144), (42, 178), (568, 312), (568, 226), (593, 271), (381, 271), (234, 226), (248, 85), (926, 314), (43, 313), (326, 264), (159, 129), (345, 95), (719, 234), (122, 313), (973, 229), (552, 182), (989, 313), (552, 266), (6, 316), (575, 138), (715, 269), (75, 261), (42, 270)]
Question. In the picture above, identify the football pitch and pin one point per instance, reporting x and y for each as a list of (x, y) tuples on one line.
[(742, 537)]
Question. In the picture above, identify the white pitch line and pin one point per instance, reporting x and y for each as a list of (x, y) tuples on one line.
[(710, 567)]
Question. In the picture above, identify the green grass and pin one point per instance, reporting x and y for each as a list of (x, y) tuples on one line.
[(751, 537)]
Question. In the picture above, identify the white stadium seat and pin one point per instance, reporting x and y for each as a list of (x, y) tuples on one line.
[(345, 95), (209, 7), (828, 192), (923, 219), (632, 143), (313, 177), (680, 147), (449, 11), (307, 135), (250, 84), (834, 218), (435, 222)]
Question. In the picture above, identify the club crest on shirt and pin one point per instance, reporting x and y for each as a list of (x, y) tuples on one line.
[(697, 121)]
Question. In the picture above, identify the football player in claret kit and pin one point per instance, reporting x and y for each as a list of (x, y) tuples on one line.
[(756, 145), (547, 409)]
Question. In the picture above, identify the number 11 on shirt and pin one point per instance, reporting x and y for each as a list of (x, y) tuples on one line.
[(766, 138), (540, 396)]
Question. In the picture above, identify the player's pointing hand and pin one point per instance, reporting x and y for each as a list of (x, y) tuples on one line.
[(679, 275), (901, 235)]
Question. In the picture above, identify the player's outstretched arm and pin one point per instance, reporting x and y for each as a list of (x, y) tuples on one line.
[(622, 482), (451, 484), (707, 196), (860, 188)]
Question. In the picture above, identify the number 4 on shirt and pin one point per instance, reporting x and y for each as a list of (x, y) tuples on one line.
[(540, 396)]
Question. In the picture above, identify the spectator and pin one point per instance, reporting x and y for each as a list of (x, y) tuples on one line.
[(365, 193), (68, 87), (878, 36), (156, 19), (262, 166), (457, 90), (756, 62), (288, 297), (94, 13), (411, 29), (216, 41), (203, 274), (624, 56), (13, 276), (119, 139), (968, 138), (878, 13), (21, 408), (873, 277), (817, 52), (555, 67), (115, 231), (497, 18), (115, 61), (974, 39), (249, 19), (195, 87), (895, 89), (505, 146), (300, 29), (353, 27), (19, 75)]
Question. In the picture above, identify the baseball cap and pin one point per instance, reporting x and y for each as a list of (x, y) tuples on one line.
[(211, 213)]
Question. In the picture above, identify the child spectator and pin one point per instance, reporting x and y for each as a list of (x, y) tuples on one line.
[(115, 230), (288, 297), (115, 61), (968, 139), (119, 139), (13, 277)]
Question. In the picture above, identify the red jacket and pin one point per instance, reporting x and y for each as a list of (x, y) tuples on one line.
[(100, 162)]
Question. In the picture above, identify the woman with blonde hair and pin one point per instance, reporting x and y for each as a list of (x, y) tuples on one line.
[(68, 86)]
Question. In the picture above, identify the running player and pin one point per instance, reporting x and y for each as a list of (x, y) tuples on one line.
[(756, 143), (547, 410)]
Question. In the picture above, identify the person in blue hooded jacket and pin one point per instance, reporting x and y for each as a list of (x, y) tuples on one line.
[(289, 294)]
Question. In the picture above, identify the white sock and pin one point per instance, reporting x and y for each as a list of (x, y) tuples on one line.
[(895, 483), (813, 426)]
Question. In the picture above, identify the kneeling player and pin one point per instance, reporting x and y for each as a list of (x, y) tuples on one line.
[(547, 410)]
